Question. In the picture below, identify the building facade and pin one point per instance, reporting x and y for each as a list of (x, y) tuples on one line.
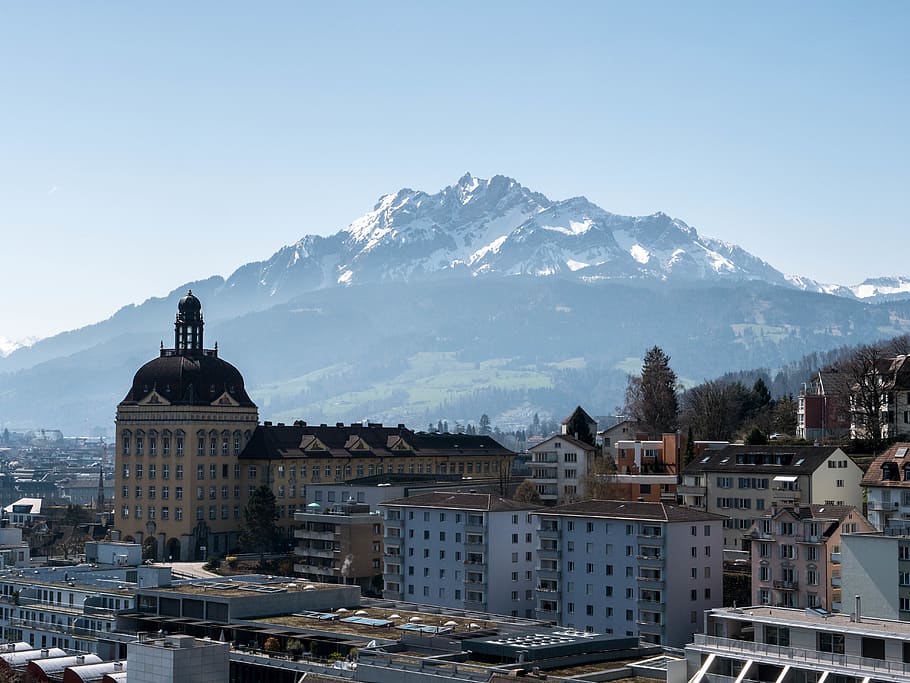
[(460, 550), (559, 468), (780, 644), (638, 569), (339, 544), (887, 486), (823, 411), (796, 555), (742, 482), (180, 430)]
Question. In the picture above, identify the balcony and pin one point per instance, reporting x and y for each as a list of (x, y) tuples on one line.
[(688, 490), (549, 553), (651, 605), (320, 535), (835, 582), (474, 540), (315, 552), (882, 505), (786, 494), (548, 573), (835, 558), (545, 458), (475, 525), (651, 580), (785, 585), (474, 560), (651, 559), (550, 533), (547, 588), (476, 600)]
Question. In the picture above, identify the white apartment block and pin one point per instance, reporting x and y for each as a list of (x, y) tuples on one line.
[(558, 468), (799, 646), (742, 482), (647, 570), (460, 550), (73, 608)]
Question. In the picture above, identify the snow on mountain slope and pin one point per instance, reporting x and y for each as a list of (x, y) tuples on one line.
[(7, 346), (497, 227)]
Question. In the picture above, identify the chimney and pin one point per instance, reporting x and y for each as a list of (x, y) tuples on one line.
[(44, 652), (118, 666), (80, 659), (859, 608)]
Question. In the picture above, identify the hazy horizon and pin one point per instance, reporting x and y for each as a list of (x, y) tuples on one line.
[(148, 146)]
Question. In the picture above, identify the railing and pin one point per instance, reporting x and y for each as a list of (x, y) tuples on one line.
[(852, 664), (785, 585)]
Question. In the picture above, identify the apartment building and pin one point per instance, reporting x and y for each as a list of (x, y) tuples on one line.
[(460, 550), (73, 608), (887, 486), (800, 646), (823, 410), (339, 544), (796, 554), (559, 468), (640, 569), (742, 482)]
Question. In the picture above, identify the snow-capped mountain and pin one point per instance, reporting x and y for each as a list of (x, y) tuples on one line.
[(497, 227), (7, 346)]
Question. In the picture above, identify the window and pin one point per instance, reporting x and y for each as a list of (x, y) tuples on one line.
[(179, 472), (777, 635), (178, 493), (178, 513), (165, 471)]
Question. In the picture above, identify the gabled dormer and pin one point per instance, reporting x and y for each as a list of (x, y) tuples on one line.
[(310, 443), (154, 398), (225, 400), (356, 443), (395, 442)]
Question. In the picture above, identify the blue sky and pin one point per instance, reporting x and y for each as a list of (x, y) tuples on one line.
[(144, 145)]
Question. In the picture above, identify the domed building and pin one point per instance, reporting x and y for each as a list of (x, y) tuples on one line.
[(180, 429)]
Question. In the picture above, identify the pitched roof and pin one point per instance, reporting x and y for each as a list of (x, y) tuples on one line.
[(357, 440), (624, 509), (762, 459), (568, 439), (888, 468), (487, 502)]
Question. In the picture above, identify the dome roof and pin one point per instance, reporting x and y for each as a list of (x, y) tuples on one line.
[(188, 380), (189, 303)]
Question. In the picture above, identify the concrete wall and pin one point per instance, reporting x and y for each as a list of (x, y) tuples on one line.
[(869, 569)]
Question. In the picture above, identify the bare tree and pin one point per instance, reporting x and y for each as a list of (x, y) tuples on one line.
[(866, 370), (715, 410)]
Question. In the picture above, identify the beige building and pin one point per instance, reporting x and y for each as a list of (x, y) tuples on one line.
[(742, 483), (180, 430)]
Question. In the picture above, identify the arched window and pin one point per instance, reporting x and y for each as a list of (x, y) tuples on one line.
[(237, 442), (153, 442), (225, 442), (166, 442), (213, 442), (178, 441), (140, 442), (125, 441), (200, 442)]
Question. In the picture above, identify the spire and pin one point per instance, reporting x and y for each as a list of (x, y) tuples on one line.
[(188, 326)]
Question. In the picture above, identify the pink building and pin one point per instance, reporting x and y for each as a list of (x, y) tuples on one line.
[(796, 554)]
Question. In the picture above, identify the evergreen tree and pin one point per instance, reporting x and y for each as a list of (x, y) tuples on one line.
[(258, 529), (485, 424), (651, 398), (577, 427), (756, 437), (690, 448)]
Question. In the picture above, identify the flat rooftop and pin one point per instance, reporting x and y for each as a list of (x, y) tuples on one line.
[(842, 621), (242, 586)]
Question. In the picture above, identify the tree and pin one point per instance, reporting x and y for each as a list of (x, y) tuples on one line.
[(651, 398), (527, 493), (756, 437), (485, 424), (866, 370), (258, 529), (715, 410), (690, 448), (578, 427), (783, 419)]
